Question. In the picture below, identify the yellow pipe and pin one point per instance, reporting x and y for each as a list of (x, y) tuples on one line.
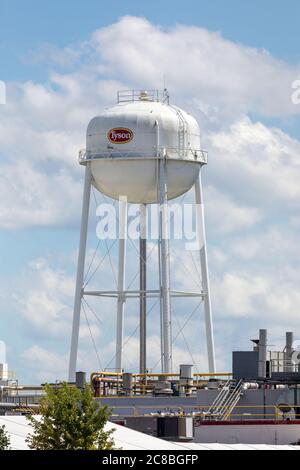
[(119, 374), (158, 374)]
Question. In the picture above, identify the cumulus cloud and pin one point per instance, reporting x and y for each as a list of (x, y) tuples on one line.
[(243, 294), (46, 304), (45, 300), (223, 75), (273, 245), (42, 127), (228, 216), (44, 366), (63, 57), (257, 164)]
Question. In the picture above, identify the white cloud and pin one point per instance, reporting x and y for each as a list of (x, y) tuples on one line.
[(273, 244), (49, 53), (237, 292), (46, 303), (257, 164), (225, 75), (44, 365), (31, 197), (226, 215), (43, 125), (45, 300), (262, 297)]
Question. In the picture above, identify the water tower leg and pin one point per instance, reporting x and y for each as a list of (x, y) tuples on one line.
[(165, 270), (143, 287), (205, 279), (121, 282), (80, 273)]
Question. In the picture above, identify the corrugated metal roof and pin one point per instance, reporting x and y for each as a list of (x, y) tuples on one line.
[(128, 439)]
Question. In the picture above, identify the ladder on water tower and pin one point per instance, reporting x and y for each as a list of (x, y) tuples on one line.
[(182, 131)]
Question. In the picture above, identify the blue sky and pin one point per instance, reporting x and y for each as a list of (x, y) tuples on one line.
[(57, 60), (266, 24)]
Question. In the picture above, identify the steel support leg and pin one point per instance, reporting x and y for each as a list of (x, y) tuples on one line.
[(165, 270), (143, 288), (80, 273), (121, 283), (205, 279)]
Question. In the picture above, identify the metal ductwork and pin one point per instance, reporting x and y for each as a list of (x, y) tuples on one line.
[(288, 364), (262, 354)]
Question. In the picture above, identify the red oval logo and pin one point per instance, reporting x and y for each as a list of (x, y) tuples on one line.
[(120, 135)]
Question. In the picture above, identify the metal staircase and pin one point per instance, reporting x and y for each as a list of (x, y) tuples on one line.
[(226, 401)]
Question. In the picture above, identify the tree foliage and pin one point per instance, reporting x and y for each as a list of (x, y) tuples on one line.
[(4, 439), (70, 419)]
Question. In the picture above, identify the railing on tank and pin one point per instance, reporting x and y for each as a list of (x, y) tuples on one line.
[(126, 96), (191, 155)]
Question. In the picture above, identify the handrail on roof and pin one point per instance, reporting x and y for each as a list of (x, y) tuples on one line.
[(126, 96)]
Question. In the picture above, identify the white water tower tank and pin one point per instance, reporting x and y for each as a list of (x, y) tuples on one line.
[(123, 143)]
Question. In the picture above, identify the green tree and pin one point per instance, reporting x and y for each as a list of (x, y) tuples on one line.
[(4, 439), (70, 419)]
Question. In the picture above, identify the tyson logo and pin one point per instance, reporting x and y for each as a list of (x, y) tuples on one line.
[(120, 135)]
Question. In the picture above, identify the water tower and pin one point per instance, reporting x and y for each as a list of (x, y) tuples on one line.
[(149, 151)]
